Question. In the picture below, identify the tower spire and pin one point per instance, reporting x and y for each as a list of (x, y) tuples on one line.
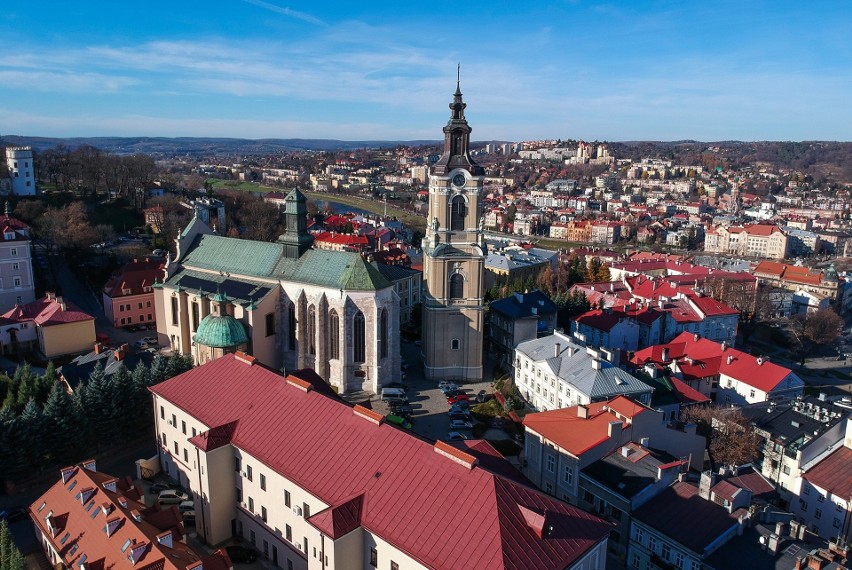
[(458, 78)]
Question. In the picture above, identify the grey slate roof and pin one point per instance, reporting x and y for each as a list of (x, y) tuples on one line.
[(627, 476), (237, 290), (395, 272), (521, 305), (574, 365)]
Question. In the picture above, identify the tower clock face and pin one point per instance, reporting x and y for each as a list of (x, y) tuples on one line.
[(459, 180)]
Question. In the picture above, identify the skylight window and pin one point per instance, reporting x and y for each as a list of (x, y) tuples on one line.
[(72, 485), (95, 512), (43, 504), (89, 506), (125, 545), (73, 549), (82, 561), (65, 538)]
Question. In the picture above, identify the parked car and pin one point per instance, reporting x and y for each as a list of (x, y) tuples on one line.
[(188, 517), (403, 410), (13, 514), (460, 424), (399, 420), (172, 497), (458, 398), (481, 396), (460, 415), (241, 554), (455, 436), (162, 486), (394, 402), (448, 387), (461, 406), (140, 345), (186, 506), (151, 341)]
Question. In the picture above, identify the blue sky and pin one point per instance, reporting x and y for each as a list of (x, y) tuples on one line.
[(619, 70)]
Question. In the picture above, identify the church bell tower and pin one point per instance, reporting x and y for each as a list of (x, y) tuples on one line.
[(454, 256)]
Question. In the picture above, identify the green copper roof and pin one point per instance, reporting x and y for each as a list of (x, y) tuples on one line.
[(338, 269), (220, 331), (231, 255)]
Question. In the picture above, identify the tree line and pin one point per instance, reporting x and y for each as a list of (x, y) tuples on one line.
[(43, 426)]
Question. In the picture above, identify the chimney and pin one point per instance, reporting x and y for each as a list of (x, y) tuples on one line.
[(557, 349), (814, 562), (724, 345), (730, 358), (772, 543), (596, 364), (704, 485), (582, 412), (120, 352), (99, 348), (613, 429), (760, 361), (665, 354)]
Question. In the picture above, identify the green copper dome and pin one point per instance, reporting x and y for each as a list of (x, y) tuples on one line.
[(830, 274), (220, 331)]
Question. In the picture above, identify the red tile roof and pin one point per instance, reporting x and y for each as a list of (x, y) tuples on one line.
[(576, 435), (600, 320), (440, 512), (135, 277), (48, 311), (82, 505), (15, 226), (834, 473)]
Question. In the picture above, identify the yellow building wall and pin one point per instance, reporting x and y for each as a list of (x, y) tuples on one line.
[(69, 338)]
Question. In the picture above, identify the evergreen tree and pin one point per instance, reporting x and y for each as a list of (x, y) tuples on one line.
[(26, 383), (61, 416), (45, 383), (34, 436), (158, 370), (6, 545)]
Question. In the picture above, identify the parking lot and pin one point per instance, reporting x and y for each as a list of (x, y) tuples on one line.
[(429, 408)]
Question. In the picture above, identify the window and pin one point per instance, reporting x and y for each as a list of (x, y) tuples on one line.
[(550, 463), (678, 560), (252, 536), (786, 470), (163, 436), (394, 565), (177, 450), (140, 305), (455, 344), (263, 514), (820, 498), (162, 413), (237, 464), (306, 510), (270, 324), (195, 315), (374, 557), (360, 341), (248, 472), (652, 544), (806, 490), (17, 281), (174, 420), (263, 482), (312, 330), (14, 251), (818, 514), (174, 310), (288, 533), (458, 210), (666, 552), (15, 267), (635, 562), (803, 505), (639, 536), (383, 333), (568, 476), (548, 488), (286, 498), (183, 427), (456, 286), (251, 504), (291, 324), (334, 334), (751, 394)]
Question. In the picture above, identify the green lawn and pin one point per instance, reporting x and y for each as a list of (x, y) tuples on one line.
[(239, 185), (413, 221)]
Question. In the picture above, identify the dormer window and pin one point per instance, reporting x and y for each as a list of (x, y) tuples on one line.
[(9, 235)]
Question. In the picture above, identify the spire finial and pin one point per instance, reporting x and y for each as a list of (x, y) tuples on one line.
[(458, 81)]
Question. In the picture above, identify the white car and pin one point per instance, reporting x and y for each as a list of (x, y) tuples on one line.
[(186, 506), (172, 497), (455, 436), (460, 424), (151, 341)]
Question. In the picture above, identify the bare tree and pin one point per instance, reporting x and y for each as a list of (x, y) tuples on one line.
[(730, 439)]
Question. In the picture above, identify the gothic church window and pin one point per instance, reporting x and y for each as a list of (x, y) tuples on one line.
[(383, 333), (312, 330), (334, 334), (291, 324), (360, 341)]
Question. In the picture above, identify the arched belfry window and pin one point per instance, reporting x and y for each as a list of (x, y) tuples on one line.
[(458, 211), (456, 286), (383, 333), (359, 337), (334, 334)]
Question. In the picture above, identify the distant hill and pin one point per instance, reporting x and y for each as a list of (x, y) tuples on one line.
[(201, 146)]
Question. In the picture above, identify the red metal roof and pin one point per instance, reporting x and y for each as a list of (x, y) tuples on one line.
[(834, 473), (575, 434), (48, 311), (440, 512), (135, 277)]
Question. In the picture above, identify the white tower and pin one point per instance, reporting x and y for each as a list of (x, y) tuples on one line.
[(20, 163)]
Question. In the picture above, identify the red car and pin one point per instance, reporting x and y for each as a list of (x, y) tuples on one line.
[(457, 398)]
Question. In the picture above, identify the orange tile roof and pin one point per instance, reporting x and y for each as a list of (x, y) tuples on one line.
[(74, 513)]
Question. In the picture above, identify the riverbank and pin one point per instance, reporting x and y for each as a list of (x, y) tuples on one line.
[(410, 219)]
